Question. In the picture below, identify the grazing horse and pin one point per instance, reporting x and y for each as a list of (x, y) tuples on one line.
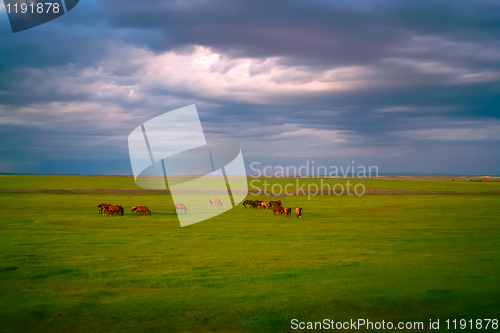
[(216, 201), (298, 212), (278, 209), (180, 207), (287, 211), (115, 209), (258, 202), (264, 205), (274, 203), (143, 209), (247, 202), (111, 210), (101, 207)]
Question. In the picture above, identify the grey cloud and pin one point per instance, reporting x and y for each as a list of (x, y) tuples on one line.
[(390, 39)]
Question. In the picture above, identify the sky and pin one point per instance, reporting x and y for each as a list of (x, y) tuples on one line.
[(407, 86)]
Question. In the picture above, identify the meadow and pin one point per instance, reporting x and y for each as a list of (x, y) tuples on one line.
[(392, 257)]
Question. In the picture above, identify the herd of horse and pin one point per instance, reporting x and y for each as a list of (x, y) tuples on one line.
[(110, 210), (277, 207)]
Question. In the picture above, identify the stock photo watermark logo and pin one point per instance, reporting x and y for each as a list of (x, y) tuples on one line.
[(309, 187), (204, 179), (26, 14)]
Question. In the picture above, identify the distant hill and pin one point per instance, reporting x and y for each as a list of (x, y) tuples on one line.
[(389, 174), (437, 174)]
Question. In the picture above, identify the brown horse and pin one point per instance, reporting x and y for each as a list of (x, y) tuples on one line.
[(274, 203), (287, 211), (135, 209), (101, 207), (278, 209), (142, 209), (258, 202), (180, 207), (112, 210), (247, 202), (298, 212), (215, 201)]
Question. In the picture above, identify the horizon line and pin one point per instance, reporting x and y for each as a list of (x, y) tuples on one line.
[(389, 174)]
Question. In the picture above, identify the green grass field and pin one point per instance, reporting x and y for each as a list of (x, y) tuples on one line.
[(127, 183), (411, 257)]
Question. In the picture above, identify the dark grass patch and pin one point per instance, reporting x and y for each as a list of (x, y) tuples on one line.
[(285, 276), (8, 269), (438, 292), (213, 285), (68, 271), (351, 264), (21, 256), (37, 314), (267, 320)]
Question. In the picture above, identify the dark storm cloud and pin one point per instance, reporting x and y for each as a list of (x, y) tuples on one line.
[(322, 35), (76, 85), (314, 32)]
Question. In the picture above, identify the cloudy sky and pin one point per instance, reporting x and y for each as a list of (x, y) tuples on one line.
[(409, 86)]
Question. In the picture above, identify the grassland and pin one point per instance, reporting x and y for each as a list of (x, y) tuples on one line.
[(382, 183), (412, 257)]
